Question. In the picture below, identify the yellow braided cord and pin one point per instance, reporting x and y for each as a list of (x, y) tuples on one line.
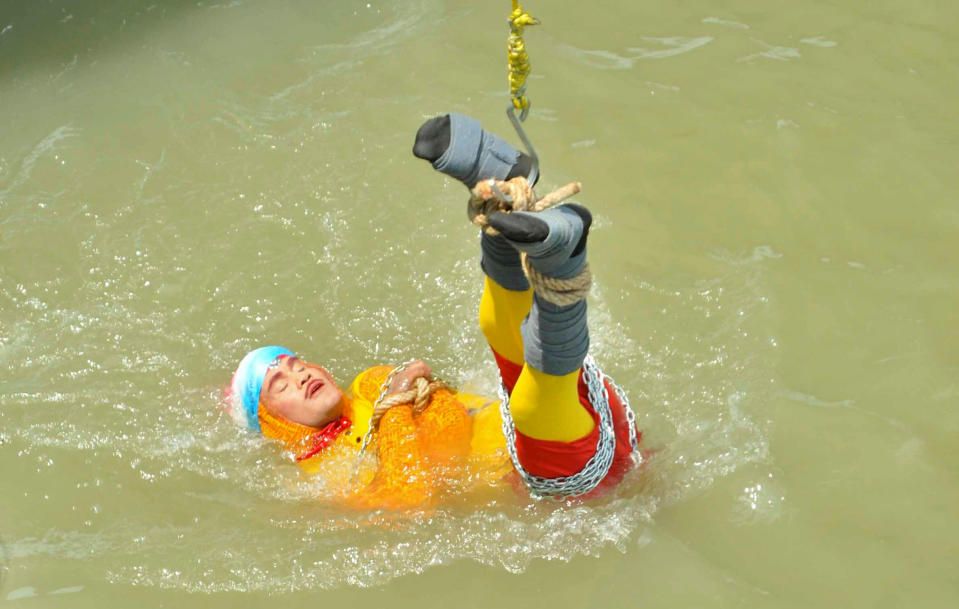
[(518, 58)]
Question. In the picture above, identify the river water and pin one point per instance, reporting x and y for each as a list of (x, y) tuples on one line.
[(775, 191)]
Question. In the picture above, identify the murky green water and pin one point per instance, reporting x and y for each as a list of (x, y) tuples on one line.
[(775, 188)]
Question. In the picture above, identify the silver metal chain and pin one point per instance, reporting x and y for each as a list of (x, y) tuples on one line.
[(598, 465), (630, 418), (384, 389), (562, 487)]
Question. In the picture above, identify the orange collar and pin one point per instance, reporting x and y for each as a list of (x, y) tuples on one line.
[(302, 440)]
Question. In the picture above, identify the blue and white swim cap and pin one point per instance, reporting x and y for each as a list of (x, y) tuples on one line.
[(248, 381)]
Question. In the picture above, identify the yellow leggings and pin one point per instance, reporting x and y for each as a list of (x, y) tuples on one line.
[(543, 406)]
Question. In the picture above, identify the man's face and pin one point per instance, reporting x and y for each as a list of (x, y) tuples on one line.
[(301, 392)]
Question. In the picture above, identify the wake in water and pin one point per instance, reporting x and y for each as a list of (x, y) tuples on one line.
[(133, 472), (236, 515)]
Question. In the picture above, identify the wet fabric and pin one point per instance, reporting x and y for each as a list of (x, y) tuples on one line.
[(474, 153), (552, 459), (453, 445)]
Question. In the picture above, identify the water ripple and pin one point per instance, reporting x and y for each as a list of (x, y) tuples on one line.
[(610, 60)]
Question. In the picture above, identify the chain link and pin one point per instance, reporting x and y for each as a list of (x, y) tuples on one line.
[(598, 465), (384, 388), (562, 487)]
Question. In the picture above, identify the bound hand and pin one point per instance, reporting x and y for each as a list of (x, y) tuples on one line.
[(404, 379)]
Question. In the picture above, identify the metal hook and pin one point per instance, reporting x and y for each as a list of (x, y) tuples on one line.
[(499, 193), (517, 125)]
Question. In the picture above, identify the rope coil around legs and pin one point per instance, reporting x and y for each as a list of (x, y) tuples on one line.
[(489, 196), (560, 292)]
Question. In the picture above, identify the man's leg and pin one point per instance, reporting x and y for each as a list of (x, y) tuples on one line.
[(548, 342), (545, 403), (458, 146)]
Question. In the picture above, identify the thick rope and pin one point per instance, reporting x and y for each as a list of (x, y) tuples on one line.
[(518, 195), (418, 396), (517, 57), (484, 199), (560, 292)]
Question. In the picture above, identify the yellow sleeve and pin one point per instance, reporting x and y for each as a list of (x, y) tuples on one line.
[(362, 394), (401, 479), (444, 428), (367, 384)]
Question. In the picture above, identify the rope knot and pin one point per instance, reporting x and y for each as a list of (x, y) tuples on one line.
[(418, 395), (490, 196)]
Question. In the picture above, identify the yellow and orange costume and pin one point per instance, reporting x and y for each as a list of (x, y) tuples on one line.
[(454, 444), (565, 432)]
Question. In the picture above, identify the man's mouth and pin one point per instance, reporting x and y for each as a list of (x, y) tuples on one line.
[(313, 387)]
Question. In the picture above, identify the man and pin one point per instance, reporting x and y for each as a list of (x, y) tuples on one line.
[(567, 433)]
